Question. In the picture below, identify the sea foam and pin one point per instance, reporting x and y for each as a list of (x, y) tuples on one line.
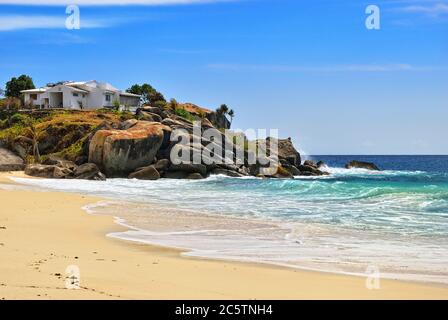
[(395, 220)]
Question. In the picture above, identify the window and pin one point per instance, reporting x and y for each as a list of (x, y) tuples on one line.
[(75, 94), (33, 96), (108, 97)]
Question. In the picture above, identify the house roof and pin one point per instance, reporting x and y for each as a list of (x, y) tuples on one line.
[(127, 94), (73, 89), (78, 83), (37, 90), (84, 87), (79, 90)]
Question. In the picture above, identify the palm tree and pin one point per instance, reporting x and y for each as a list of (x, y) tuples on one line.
[(231, 115), (223, 109), (33, 137), (173, 104)]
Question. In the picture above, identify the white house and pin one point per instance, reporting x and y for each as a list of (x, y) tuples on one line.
[(80, 95)]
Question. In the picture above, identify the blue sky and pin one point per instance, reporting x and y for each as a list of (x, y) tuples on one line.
[(309, 68)]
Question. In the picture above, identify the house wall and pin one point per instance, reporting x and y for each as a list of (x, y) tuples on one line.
[(94, 99), (27, 99), (97, 99), (129, 101), (69, 101)]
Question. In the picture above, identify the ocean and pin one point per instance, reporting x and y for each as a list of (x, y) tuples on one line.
[(354, 221)]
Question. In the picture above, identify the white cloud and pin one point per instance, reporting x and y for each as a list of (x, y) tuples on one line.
[(22, 22), (332, 68), (432, 9), (104, 2)]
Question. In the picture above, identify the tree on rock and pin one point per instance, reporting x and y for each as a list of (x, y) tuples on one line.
[(15, 85), (222, 110), (33, 135), (149, 94), (231, 115), (221, 116)]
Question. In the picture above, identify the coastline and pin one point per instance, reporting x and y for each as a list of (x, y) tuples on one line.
[(44, 232)]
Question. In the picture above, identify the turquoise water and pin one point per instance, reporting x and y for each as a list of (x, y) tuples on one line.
[(395, 220), (406, 202)]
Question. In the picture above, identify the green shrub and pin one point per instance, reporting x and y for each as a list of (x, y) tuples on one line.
[(18, 118), (10, 103), (9, 135), (185, 114), (159, 104), (4, 124), (71, 152)]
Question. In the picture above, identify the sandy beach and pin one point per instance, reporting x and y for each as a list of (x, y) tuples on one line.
[(42, 233)]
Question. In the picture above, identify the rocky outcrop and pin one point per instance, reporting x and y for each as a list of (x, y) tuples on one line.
[(282, 173), (145, 173), (189, 168), (161, 113), (310, 163), (9, 161), (62, 163), (321, 165), (362, 165), (311, 168), (292, 170), (125, 125), (176, 175), (194, 176), (148, 116), (311, 171), (88, 171), (219, 120), (121, 146), (103, 126), (162, 165), (225, 172), (60, 170), (121, 152), (286, 150), (47, 171)]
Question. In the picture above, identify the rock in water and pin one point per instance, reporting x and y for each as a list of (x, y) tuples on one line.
[(120, 152), (176, 175), (189, 168), (362, 165), (225, 172), (310, 163), (9, 161), (195, 176), (321, 164), (292, 170), (286, 150), (310, 171), (282, 173), (146, 173)]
